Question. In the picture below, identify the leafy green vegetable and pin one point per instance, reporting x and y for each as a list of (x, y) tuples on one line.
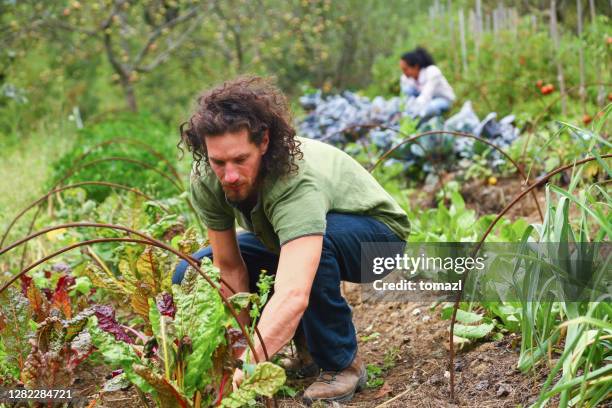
[(462, 315), (168, 396), (473, 332), (82, 286), (266, 380), (118, 354), (162, 326), (9, 373), (14, 328), (200, 315)]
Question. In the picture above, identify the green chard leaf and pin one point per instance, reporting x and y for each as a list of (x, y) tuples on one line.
[(266, 380), (473, 332), (9, 373), (163, 330), (201, 315), (462, 315), (168, 396), (118, 354)]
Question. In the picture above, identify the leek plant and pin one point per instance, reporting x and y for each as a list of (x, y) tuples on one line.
[(581, 330)]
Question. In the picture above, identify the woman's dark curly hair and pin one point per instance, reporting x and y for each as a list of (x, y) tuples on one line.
[(251, 103)]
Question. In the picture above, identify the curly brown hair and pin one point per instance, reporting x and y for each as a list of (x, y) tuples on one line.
[(251, 103)]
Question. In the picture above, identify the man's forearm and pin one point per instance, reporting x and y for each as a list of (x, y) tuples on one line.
[(236, 277), (278, 322), (295, 274), (227, 257)]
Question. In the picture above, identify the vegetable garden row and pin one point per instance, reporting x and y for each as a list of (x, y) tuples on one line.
[(86, 269)]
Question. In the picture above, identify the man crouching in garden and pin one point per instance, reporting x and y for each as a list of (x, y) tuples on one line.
[(306, 207)]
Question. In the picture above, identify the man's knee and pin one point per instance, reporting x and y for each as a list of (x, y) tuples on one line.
[(179, 271)]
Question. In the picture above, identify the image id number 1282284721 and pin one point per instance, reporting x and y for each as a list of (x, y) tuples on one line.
[(8, 395)]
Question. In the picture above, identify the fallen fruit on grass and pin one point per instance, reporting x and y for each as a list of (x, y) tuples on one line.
[(586, 118), (492, 180), (539, 83), (610, 97)]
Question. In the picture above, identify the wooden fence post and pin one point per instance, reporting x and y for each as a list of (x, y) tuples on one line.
[(479, 15), (453, 39), (478, 25), (513, 18), (463, 44), (582, 91), (495, 21), (554, 32)]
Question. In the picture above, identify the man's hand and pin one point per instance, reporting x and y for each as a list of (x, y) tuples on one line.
[(237, 379)]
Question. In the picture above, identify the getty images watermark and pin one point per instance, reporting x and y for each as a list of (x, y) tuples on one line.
[(490, 272)]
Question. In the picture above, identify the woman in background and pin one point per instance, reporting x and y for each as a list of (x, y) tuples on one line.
[(424, 81)]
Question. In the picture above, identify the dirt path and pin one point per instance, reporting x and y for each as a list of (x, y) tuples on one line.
[(413, 342)]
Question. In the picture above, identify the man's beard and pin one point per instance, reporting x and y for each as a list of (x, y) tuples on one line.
[(251, 197), (236, 201)]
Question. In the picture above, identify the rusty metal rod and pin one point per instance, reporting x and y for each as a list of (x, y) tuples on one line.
[(75, 185), (135, 142), (142, 164), (150, 241), (459, 134)]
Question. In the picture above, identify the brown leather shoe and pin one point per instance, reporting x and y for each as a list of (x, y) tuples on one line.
[(337, 386)]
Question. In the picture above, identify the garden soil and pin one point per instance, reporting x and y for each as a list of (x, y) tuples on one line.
[(413, 342)]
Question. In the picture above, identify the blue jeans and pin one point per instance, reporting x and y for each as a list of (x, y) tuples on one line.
[(436, 106), (327, 322)]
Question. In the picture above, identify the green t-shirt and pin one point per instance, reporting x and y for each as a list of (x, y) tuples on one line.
[(328, 180)]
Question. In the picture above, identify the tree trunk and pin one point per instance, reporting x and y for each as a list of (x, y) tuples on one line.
[(555, 37), (130, 95), (238, 48), (350, 43), (592, 9)]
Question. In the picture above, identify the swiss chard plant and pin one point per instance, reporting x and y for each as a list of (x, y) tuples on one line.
[(42, 334), (189, 359), (130, 273)]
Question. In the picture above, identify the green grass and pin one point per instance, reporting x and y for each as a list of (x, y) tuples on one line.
[(25, 165)]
